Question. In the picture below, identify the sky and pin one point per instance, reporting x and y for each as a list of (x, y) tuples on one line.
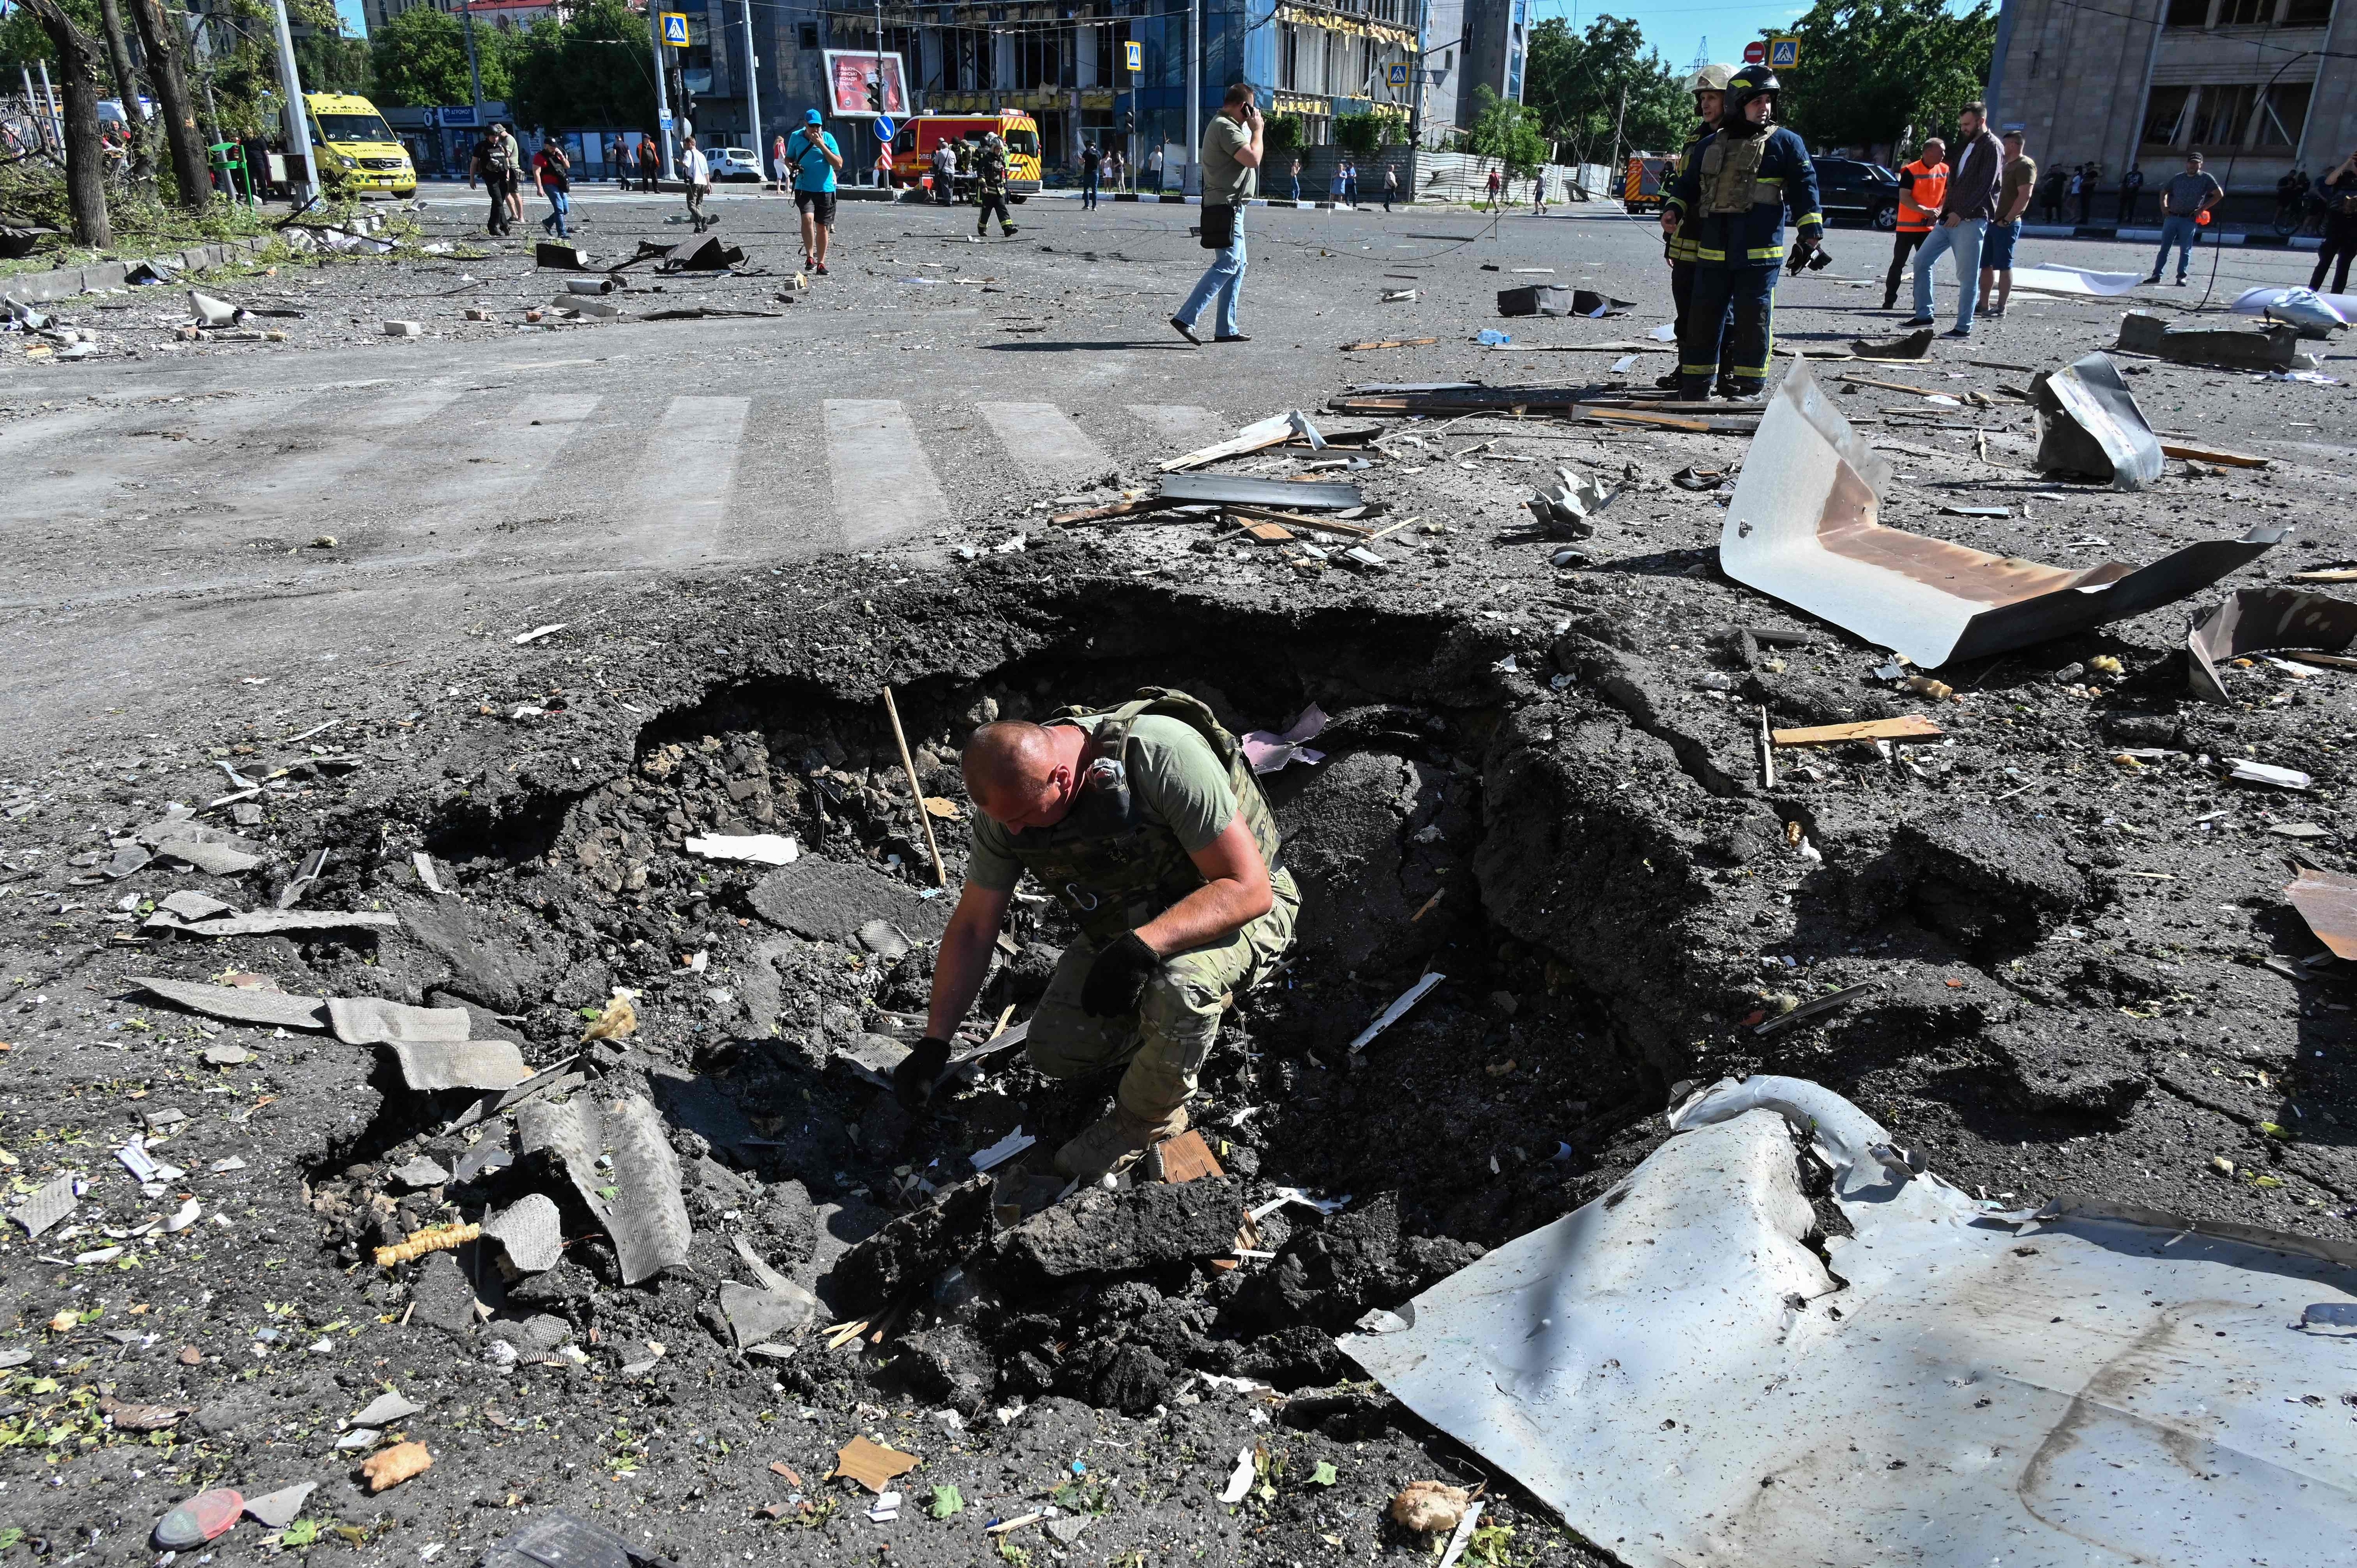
[(1679, 27)]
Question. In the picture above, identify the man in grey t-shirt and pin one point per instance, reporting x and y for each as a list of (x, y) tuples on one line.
[(2183, 200), (1232, 154)]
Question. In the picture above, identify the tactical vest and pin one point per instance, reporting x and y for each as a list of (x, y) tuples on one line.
[(1111, 867), (1730, 174)]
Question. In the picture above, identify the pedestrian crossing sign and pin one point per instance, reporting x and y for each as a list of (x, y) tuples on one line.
[(1397, 73), (1133, 55), (1783, 54), (674, 26)]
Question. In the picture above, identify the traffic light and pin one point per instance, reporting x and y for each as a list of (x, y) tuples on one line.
[(1129, 124), (874, 94), (687, 105)]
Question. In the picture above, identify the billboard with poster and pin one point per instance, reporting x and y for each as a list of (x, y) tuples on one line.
[(846, 84)]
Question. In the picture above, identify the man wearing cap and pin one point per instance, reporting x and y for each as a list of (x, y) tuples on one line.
[(814, 159), (2183, 200)]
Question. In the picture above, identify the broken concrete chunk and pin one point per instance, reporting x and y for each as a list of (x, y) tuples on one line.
[(634, 1192), (915, 1247), (532, 1232), (430, 1065), (419, 1173), (1101, 1232), (371, 1020), (385, 1409), (1803, 527), (240, 1003), (52, 1203), (757, 1314), (405, 330), (829, 900), (282, 1508)]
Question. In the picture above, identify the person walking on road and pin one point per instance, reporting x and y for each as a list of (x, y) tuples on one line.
[(515, 172), (494, 164), (2183, 201), (945, 171), (618, 158), (1233, 144), (990, 187), (1390, 185), (650, 164), (2020, 178), (1964, 212), (1922, 186), (1496, 184), (695, 174), (1734, 191), (2130, 183), (814, 159), (550, 170), (1297, 181), (2337, 191)]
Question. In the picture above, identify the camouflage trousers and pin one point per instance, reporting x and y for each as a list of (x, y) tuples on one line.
[(1166, 1041)]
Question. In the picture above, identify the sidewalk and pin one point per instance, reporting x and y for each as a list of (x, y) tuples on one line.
[(2140, 235)]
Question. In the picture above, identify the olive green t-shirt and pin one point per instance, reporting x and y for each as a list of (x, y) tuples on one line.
[(2019, 175), (1226, 183), (1177, 779)]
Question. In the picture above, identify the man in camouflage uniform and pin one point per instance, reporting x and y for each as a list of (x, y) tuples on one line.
[(1147, 824), (990, 186)]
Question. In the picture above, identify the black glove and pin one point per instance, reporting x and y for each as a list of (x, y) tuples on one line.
[(1117, 979), (920, 1071)]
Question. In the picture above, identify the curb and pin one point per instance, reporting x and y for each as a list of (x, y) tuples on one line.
[(36, 288)]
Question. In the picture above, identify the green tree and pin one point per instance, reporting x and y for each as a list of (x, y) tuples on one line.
[(588, 71), (420, 60), (1884, 70), (1369, 133), (332, 60), (1577, 84), (1508, 132)]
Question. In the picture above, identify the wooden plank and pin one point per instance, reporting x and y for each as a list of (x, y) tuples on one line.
[(2212, 455), (1892, 386), (1390, 343), (1187, 1158), (1295, 520), (1268, 432), (1269, 533), (1910, 727), (1119, 509)]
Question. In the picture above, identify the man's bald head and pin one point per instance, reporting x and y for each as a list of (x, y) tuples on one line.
[(1012, 773)]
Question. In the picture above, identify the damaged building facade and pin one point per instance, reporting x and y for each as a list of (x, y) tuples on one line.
[(2259, 87)]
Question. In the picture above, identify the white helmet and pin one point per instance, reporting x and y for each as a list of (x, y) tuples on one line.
[(1710, 78)]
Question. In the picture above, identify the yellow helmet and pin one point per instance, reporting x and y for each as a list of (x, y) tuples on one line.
[(1710, 78)]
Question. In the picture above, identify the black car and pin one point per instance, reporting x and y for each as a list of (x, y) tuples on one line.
[(1852, 191)]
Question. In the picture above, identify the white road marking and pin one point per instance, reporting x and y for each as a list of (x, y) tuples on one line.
[(884, 484), (683, 498), (1182, 425), (1043, 439)]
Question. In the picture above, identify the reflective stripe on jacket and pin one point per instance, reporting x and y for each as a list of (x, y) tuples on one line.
[(1921, 191), (1756, 238)]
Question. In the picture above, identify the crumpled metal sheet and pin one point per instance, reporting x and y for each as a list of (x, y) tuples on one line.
[(1803, 527), (2327, 900), (2089, 423), (2254, 621), (646, 1216), (1674, 1370)]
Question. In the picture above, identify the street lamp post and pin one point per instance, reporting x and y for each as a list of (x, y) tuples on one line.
[(662, 94), (753, 88), (290, 84)]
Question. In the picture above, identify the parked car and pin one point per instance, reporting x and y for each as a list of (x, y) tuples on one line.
[(1850, 190), (732, 163)]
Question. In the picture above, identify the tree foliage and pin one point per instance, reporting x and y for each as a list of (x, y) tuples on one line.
[(1369, 133), (590, 70), (1508, 132), (1884, 70), (420, 60), (1574, 84)]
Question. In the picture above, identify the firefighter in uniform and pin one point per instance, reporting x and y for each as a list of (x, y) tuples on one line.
[(1147, 823), (1733, 192), (990, 186), (1708, 85)]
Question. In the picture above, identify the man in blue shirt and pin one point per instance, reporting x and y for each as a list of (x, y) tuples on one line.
[(814, 159)]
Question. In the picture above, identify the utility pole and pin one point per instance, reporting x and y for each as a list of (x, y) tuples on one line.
[(879, 177), (1619, 119), (662, 95), (753, 93), (1194, 89), (298, 118), (473, 70)]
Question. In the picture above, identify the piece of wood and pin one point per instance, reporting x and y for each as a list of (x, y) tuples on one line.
[(2330, 660), (1245, 509), (1268, 533), (1390, 343), (1187, 1158), (1119, 509), (916, 792), (872, 1465), (1635, 416), (2212, 455), (1268, 432), (1910, 726), (1891, 386), (2326, 574)]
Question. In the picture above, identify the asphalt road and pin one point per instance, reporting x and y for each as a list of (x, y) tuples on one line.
[(166, 507)]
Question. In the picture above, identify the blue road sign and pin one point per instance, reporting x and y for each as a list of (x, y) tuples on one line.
[(1398, 74), (674, 26), (1135, 53), (1783, 54), (884, 127)]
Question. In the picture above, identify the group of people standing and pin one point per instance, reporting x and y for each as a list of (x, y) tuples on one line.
[(2077, 187)]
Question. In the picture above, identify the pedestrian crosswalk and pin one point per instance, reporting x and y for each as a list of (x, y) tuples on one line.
[(402, 474)]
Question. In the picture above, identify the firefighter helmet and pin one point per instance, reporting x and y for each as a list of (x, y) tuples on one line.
[(1750, 83), (1710, 78)]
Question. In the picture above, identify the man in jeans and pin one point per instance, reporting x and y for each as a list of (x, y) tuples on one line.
[(1965, 209), (2182, 202), (696, 174), (1231, 152), (2013, 191)]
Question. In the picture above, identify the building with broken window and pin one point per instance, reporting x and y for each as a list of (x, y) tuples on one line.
[(2259, 86), (1352, 56), (1470, 45)]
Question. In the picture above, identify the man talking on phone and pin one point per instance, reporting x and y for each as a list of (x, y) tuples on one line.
[(1231, 153)]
